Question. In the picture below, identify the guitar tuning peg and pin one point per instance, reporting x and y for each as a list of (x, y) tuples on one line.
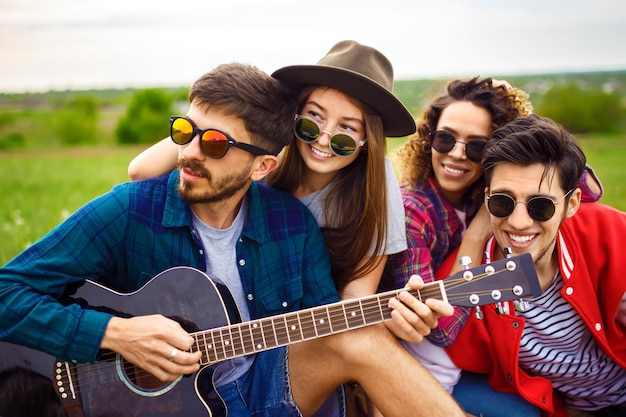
[(521, 305), (479, 313), (507, 252), (487, 257), (465, 261), (499, 309)]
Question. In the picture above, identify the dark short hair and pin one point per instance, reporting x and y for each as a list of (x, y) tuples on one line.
[(265, 105), (533, 139)]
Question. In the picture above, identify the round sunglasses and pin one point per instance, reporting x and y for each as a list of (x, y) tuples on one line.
[(443, 142), (540, 209), (214, 143), (341, 144)]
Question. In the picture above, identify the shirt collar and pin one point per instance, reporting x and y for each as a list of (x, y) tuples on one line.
[(177, 212)]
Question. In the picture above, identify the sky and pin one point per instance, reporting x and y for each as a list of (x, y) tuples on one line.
[(85, 44)]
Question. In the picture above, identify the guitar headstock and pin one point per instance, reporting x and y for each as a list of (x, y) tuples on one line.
[(504, 280)]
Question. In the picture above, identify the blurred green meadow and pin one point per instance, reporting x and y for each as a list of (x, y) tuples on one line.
[(40, 189)]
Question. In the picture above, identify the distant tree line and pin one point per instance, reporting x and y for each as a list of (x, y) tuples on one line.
[(580, 110), (75, 118)]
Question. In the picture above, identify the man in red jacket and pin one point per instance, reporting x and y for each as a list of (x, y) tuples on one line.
[(565, 350)]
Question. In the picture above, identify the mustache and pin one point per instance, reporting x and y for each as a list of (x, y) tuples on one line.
[(194, 166)]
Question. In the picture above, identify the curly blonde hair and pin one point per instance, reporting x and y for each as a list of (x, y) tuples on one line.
[(503, 102)]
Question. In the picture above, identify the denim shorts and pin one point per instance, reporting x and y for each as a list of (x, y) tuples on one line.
[(264, 391)]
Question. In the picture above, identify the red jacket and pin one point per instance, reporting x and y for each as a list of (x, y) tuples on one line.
[(590, 251)]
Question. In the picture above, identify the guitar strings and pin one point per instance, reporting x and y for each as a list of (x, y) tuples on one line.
[(373, 309)]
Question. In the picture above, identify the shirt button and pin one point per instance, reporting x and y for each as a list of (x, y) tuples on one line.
[(569, 291), (242, 262), (285, 304), (598, 326), (201, 252), (250, 297)]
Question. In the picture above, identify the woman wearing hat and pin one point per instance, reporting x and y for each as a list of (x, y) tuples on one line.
[(336, 165)]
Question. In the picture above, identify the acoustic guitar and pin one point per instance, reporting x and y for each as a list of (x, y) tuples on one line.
[(112, 386)]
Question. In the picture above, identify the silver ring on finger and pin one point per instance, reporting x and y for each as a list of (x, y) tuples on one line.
[(173, 354)]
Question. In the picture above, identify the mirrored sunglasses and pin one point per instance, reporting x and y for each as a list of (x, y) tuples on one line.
[(443, 142), (540, 209), (214, 143), (342, 144)]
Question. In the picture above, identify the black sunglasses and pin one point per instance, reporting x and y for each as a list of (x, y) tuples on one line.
[(443, 142), (540, 209), (214, 143)]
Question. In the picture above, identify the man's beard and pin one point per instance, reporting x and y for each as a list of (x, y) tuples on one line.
[(220, 190)]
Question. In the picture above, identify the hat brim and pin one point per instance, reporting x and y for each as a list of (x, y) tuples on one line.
[(397, 121)]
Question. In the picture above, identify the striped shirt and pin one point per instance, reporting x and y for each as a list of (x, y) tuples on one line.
[(558, 346)]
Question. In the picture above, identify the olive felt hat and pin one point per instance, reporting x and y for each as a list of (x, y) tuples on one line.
[(362, 72)]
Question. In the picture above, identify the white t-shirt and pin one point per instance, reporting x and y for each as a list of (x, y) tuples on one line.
[(396, 230)]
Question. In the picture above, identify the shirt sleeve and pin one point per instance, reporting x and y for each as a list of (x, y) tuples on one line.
[(416, 259), (76, 250), (396, 229)]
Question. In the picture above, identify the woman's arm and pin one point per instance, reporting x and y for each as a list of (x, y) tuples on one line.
[(158, 159), (367, 284)]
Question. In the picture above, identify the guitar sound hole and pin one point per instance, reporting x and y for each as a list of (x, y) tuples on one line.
[(141, 379)]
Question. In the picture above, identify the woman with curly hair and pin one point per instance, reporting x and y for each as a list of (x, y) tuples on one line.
[(443, 189)]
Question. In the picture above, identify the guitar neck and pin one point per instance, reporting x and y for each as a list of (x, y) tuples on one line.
[(258, 335)]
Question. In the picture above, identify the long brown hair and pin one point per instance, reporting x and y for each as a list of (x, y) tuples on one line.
[(355, 210), (503, 102)]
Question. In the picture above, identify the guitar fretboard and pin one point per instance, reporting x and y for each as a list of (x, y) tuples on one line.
[(258, 335)]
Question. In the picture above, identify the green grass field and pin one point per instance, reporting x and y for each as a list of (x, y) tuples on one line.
[(39, 189)]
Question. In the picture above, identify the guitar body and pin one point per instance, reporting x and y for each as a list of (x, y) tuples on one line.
[(114, 387)]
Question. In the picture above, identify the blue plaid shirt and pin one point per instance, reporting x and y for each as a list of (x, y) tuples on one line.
[(125, 237)]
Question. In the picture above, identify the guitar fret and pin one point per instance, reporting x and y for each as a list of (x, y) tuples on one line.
[(207, 347), (307, 324), (200, 347), (257, 339), (237, 340), (219, 345), (354, 314), (337, 316), (269, 333), (321, 321), (247, 341), (243, 329), (212, 348), (230, 346), (282, 332), (372, 312), (294, 330)]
